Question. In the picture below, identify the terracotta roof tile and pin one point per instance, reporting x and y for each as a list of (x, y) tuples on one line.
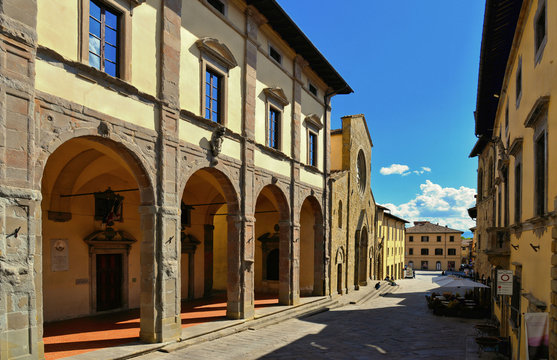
[(421, 227)]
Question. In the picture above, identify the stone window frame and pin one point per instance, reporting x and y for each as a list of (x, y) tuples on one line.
[(124, 35), (216, 57), (449, 252), (518, 81), (212, 7), (410, 251), (451, 238), (537, 120), (275, 99), (438, 238), (439, 251), (410, 238), (425, 238), (515, 150), (340, 214), (270, 49), (361, 164), (424, 251), (480, 184), (313, 125), (539, 45)]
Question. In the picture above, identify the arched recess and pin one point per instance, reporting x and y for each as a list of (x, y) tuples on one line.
[(211, 239), (97, 245), (312, 248), (272, 232), (363, 252)]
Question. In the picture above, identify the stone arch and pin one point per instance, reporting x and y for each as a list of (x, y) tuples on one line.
[(339, 258), (221, 173), (272, 216), (142, 171), (223, 193), (281, 200), (312, 257), (281, 189)]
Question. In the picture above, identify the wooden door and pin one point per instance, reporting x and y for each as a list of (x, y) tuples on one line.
[(109, 281)]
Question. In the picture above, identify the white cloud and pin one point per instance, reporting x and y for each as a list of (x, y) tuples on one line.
[(437, 204), (403, 170), (395, 169)]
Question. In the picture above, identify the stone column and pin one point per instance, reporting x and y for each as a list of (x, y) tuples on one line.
[(20, 211), (208, 257), (326, 227), (553, 307), (289, 264), (240, 269), (319, 284), (162, 315), (241, 272)]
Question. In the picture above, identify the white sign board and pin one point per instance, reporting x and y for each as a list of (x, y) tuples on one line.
[(504, 282), (59, 257)]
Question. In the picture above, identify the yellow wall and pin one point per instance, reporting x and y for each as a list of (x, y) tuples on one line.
[(58, 28), (537, 80), (199, 22), (336, 152), (433, 244), (264, 223), (265, 161), (48, 79), (311, 178)]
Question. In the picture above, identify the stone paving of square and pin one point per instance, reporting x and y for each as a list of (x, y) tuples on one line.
[(396, 326)]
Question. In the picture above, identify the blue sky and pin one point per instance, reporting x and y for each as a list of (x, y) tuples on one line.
[(413, 66)]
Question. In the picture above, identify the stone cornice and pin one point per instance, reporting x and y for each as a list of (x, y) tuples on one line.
[(218, 51)]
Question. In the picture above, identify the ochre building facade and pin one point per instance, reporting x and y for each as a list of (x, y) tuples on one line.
[(517, 192), (352, 206), (433, 247), (391, 245), (160, 151)]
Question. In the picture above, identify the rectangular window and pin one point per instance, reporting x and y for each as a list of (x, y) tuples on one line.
[(518, 82), (438, 238), (425, 238), (540, 174), (410, 251), (103, 39), (275, 55), (438, 251), (411, 239), (517, 192), (312, 148), (213, 86), (217, 4), (507, 117), (424, 265), (312, 89), (451, 238), (425, 252), (451, 251), (540, 31), (274, 129)]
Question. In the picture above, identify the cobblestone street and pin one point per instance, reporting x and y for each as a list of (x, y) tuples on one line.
[(396, 326)]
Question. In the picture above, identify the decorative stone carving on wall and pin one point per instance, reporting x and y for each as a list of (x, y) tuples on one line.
[(216, 143), (339, 259), (277, 94), (110, 238), (218, 51)]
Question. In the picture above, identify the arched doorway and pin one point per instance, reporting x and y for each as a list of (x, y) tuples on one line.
[(362, 263), (272, 234), (94, 238), (209, 238), (311, 248)]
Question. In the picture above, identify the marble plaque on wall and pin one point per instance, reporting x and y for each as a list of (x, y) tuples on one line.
[(59, 255)]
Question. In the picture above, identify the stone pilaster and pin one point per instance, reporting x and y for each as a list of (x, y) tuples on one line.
[(553, 306), (163, 312), (20, 210), (326, 230), (289, 266)]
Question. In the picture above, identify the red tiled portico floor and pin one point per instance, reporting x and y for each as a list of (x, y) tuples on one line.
[(76, 336)]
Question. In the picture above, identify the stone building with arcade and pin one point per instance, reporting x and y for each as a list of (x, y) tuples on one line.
[(159, 151)]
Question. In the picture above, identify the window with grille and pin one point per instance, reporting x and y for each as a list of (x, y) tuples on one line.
[(103, 38), (451, 251), (438, 251), (425, 252)]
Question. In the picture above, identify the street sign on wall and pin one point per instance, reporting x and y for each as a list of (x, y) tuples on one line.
[(504, 282)]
